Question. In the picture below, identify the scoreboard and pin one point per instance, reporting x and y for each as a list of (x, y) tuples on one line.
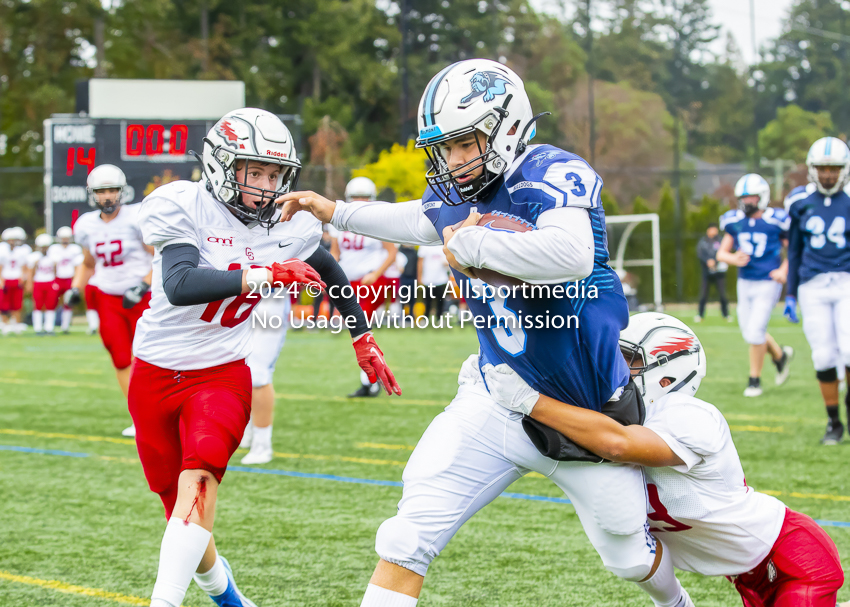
[(150, 152)]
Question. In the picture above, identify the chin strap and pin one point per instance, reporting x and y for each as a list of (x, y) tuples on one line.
[(523, 144)]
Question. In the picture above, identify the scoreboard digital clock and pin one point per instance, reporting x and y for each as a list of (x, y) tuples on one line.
[(149, 152)]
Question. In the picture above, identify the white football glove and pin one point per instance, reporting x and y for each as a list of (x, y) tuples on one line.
[(469, 374), (509, 389)]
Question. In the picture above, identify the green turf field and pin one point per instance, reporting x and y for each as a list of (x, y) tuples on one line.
[(84, 530)]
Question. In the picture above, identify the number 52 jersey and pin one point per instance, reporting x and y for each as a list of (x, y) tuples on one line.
[(200, 336)]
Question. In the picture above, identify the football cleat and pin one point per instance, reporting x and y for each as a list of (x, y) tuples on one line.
[(834, 433), (231, 597), (258, 455), (131, 431), (754, 389), (697, 318), (370, 391), (783, 366), (248, 435)]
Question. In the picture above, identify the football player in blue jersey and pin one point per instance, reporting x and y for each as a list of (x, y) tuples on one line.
[(475, 122), (757, 234), (819, 270)]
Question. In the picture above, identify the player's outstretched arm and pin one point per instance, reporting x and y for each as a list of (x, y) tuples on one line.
[(594, 431), (293, 202)]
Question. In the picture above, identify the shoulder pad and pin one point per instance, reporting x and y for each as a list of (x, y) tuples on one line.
[(730, 217), (799, 193)]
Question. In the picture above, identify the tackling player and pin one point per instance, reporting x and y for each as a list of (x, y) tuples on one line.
[(190, 394), (41, 282), (758, 233), (116, 267), (13, 280), (68, 256), (475, 121), (364, 261), (711, 521), (819, 270)]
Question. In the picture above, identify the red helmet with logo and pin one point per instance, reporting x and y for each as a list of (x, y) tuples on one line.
[(249, 134), (657, 346)]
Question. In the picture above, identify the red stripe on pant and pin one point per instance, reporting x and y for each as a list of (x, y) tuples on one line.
[(802, 569), (118, 326), (45, 295), (187, 420)]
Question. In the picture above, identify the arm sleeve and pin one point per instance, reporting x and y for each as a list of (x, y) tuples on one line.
[(795, 252), (402, 223), (185, 284), (560, 250), (330, 271)]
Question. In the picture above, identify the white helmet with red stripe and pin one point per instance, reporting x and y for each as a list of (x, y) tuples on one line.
[(658, 346)]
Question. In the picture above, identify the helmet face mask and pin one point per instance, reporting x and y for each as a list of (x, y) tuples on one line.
[(753, 194), (832, 154), (107, 199), (107, 188)]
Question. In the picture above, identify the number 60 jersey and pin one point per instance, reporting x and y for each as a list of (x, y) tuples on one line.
[(206, 335)]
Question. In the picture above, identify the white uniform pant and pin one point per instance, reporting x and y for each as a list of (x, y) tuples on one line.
[(472, 452), (825, 304), (268, 341), (756, 300)]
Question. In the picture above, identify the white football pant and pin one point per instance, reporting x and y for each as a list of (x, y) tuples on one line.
[(756, 300), (472, 452), (825, 304), (268, 342)]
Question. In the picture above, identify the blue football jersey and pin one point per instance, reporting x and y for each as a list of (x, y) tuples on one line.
[(819, 233), (581, 365), (760, 238)]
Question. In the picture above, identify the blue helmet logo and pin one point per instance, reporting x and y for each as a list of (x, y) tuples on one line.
[(488, 84)]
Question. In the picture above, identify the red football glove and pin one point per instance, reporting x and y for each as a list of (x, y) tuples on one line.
[(295, 271), (371, 360)]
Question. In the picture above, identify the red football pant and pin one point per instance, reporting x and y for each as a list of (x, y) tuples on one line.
[(90, 294), (802, 569), (63, 285), (45, 295), (187, 420), (12, 296), (375, 298), (117, 325)]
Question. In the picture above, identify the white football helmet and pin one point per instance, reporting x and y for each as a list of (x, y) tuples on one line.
[(18, 235), (829, 151), (753, 184), (361, 187), (468, 96), (43, 240), (106, 177), (6, 235), (65, 234), (657, 346), (249, 134)]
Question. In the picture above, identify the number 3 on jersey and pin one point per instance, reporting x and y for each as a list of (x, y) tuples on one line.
[(231, 315)]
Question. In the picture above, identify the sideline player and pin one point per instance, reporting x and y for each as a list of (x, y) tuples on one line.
[(759, 233), (13, 280), (364, 261), (41, 282), (68, 256), (819, 270), (190, 394), (475, 121), (713, 523), (116, 267)]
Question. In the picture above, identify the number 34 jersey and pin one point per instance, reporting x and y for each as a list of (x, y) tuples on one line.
[(703, 510), (121, 261), (206, 335)]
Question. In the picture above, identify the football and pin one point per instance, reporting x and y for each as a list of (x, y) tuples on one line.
[(500, 222)]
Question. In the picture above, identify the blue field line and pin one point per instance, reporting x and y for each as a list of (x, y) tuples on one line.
[(346, 479)]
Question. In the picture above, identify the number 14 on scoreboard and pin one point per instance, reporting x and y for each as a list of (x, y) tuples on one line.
[(82, 157)]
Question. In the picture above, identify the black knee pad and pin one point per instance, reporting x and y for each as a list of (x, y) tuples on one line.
[(828, 376)]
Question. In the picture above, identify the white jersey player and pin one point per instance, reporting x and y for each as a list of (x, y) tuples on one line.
[(116, 268), (190, 397), (68, 256), (712, 523), (41, 282), (13, 280), (364, 260)]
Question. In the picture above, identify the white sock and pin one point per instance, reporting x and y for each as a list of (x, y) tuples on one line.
[(663, 587), (183, 547), (381, 597), (37, 320), (214, 581), (364, 379), (262, 438), (93, 318), (50, 320), (66, 318)]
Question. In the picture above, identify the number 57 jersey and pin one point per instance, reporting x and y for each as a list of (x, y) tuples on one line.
[(200, 336)]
